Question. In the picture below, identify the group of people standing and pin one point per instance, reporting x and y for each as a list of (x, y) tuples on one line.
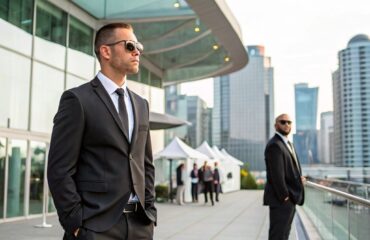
[(203, 180)]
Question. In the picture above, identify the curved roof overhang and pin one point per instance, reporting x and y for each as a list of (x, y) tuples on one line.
[(173, 49)]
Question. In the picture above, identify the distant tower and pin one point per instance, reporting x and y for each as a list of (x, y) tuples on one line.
[(243, 111), (351, 92), (305, 139)]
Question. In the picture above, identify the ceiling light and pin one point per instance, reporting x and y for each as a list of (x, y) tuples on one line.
[(176, 4), (227, 59), (215, 47), (197, 25)]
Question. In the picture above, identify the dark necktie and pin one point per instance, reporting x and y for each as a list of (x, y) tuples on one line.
[(293, 153), (122, 109)]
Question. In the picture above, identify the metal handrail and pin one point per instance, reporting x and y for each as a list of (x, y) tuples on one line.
[(351, 197)]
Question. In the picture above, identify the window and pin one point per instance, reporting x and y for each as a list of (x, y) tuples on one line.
[(18, 12), (80, 36), (51, 23)]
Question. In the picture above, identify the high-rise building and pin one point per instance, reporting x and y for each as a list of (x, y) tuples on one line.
[(47, 47), (351, 86), (305, 139), (192, 109), (326, 141), (243, 112)]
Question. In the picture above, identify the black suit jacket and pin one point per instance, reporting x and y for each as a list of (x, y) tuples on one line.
[(283, 175), (91, 159)]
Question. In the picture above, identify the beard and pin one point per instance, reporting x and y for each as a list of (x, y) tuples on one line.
[(283, 132)]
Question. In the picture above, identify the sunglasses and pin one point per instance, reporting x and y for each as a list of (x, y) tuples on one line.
[(283, 122), (130, 45)]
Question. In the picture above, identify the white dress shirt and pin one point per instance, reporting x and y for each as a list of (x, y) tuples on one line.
[(111, 88)]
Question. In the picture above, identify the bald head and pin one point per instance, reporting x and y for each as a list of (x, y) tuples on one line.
[(283, 124)]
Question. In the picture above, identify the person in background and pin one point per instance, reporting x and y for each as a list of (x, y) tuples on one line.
[(217, 181), (180, 184), (208, 183), (194, 183), (284, 187)]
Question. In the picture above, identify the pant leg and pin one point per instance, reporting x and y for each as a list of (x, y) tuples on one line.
[(179, 193), (280, 221)]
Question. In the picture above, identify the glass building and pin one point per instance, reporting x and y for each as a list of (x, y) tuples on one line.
[(305, 139), (243, 111), (192, 109), (46, 47), (351, 92)]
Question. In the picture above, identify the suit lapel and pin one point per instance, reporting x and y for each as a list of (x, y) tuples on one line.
[(104, 96), (293, 159), (136, 116)]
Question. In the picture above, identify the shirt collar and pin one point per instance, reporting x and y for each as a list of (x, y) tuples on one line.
[(109, 85), (284, 138)]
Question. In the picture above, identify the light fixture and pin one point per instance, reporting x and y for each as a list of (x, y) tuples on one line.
[(197, 25), (215, 47), (176, 4), (227, 59)]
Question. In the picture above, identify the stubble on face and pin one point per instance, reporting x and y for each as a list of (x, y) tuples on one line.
[(124, 61), (280, 128)]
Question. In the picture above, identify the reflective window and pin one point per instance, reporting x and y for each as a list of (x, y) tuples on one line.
[(80, 36), (38, 151), (18, 12), (16, 176), (2, 174), (14, 90), (51, 23)]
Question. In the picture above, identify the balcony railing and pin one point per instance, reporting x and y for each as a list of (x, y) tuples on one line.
[(337, 214)]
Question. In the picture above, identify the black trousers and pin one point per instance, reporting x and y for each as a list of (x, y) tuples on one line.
[(194, 192), (131, 226), (281, 218), (208, 187)]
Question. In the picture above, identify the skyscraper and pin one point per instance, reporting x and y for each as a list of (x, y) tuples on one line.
[(243, 112), (326, 143), (305, 139), (351, 86), (192, 109)]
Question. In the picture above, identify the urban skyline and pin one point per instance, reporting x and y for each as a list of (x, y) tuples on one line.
[(303, 38)]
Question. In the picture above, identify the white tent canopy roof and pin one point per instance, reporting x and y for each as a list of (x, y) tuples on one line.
[(207, 150), (231, 157), (177, 149), (219, 154)]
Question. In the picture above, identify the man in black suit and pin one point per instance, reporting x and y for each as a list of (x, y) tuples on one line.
[(216, 181), (284, 187), (100, 171)]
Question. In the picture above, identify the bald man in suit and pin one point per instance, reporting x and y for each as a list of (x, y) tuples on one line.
[(284, 187)]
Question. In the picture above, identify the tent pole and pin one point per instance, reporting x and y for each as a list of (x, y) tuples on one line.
[(171, 180)]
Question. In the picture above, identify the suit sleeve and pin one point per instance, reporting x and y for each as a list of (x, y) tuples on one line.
[(149, 177), (63, 156), (276, 168)]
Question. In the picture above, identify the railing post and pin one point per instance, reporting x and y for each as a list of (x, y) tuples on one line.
[(349, 220)]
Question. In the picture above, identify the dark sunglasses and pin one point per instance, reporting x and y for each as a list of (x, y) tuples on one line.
[(129, 45), (283, 122)]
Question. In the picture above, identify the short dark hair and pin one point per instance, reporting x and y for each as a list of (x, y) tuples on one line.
[(105, 34)]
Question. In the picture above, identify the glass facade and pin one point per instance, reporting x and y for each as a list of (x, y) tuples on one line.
[(38, 156), (51, 23), (305, 139), (16, 178), (80, 36), (3, 146), (351, 85), (243, 110), (18, 12)]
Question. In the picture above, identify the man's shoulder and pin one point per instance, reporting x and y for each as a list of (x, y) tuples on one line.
[(137, 96)]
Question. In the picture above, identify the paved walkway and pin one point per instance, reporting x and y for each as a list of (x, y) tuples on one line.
[(239, 215)]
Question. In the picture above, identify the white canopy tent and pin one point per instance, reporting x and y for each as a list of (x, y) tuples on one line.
[(231, 171), (237, 161), (177, 151)]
